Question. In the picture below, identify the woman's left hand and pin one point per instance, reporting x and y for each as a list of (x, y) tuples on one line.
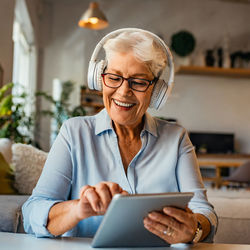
[(172, 225)]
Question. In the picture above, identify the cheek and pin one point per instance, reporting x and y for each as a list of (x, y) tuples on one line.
[(146, 99), (107, 93)]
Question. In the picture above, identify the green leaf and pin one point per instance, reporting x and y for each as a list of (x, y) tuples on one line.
[(46, 96), (183, 43), (67, 88), (4, 89), (48, 112), (78, 111), (5, 106)]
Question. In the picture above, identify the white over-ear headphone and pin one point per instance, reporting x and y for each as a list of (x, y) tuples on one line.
[(162, 88)]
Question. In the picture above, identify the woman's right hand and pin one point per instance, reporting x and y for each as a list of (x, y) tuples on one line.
[(94, 200)]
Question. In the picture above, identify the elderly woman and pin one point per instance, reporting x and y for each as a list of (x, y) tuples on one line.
[(124, 150)]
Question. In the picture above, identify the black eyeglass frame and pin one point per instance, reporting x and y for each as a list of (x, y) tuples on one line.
[(129, 81)]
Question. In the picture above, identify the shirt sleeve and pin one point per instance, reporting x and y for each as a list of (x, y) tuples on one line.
[(190, 180), (54, 186)]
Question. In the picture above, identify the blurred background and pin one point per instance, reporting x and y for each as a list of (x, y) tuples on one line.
[(41, 46)]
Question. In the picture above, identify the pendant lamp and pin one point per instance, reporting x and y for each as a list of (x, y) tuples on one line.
[(93, 18)]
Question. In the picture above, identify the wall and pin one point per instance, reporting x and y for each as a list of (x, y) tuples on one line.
[(6, 45), (212, 104), (198, 102)]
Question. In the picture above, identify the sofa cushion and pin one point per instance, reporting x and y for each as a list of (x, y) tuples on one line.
[(28, 162), (6, 177), (234, 219), (10, 212), (5, 149)]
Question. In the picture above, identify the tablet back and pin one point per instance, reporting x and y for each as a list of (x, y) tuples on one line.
[(122, 225)]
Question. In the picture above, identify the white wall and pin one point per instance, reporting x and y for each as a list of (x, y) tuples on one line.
[(212, 104), (199, 102)]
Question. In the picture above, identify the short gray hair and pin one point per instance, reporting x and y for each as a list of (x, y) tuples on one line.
[(144, 47)]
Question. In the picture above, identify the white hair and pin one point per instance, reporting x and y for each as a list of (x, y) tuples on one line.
[(143, 46)]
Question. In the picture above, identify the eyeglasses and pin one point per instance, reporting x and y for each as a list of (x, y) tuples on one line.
[(137, 84)]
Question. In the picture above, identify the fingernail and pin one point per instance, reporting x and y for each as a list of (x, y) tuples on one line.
[(152, 215), (147, 221), (167, 210)]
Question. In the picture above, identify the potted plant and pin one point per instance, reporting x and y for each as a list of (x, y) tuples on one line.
[(183, 44), (61, 109), (15, 123)]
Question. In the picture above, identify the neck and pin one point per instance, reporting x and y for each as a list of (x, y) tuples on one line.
[(129, 132)]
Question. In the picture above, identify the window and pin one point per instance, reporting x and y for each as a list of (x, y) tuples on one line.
[(24, 61)]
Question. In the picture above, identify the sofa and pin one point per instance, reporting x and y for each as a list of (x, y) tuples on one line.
[(232, 206), (19, 172)]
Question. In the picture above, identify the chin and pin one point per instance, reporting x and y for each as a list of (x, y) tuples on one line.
[(120, 119)]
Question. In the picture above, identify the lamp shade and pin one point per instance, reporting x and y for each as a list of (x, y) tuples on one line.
[(93, 18)]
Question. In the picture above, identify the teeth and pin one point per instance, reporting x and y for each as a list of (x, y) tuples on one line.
[(123, 104)]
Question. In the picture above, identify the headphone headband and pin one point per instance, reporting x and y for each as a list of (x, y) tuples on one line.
[(95, 70)]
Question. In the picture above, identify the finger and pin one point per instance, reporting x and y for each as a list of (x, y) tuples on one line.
[(160, 234), (93, 199), (114, 188), (188, 210), (165, 220), (105, 195), (187, 219), (178, 214), (83, 189), (158, 226), (154, 231), (124, 192)]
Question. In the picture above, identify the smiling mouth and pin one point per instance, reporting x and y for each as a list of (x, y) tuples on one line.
[(123, 104)]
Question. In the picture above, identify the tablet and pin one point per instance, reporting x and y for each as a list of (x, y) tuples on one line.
[(122, 225)]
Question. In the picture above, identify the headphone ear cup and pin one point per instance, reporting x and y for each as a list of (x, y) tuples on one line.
[(91, 70), (98, 78), (158, 97), (162, 90), (94, 75)]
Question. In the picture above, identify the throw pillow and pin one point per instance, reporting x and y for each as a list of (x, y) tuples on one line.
[(5, 149), (6, 177), (28, 162)]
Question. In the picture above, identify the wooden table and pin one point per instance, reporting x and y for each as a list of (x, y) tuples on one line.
[(12, 241), (219, 161)]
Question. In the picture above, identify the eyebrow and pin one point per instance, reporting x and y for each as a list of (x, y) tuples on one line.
[(133, 75)]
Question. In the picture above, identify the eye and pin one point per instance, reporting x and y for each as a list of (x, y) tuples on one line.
[(139, 83), (114, 78)]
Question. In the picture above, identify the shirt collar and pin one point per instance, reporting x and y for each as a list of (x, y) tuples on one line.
[(150, 125), (103, 123)]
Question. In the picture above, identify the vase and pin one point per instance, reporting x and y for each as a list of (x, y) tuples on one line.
[(181, 61)]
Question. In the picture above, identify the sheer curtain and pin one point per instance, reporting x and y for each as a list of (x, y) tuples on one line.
[(24, 63)]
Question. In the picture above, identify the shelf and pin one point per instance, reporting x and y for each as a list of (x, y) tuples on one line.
[(92, 104), (92, 98), (213, 71), (91, 92)]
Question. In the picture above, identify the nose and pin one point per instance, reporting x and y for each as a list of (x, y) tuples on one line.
[(124, 89)]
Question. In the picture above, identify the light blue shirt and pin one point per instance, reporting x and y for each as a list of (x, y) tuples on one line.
[(86, 152)]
